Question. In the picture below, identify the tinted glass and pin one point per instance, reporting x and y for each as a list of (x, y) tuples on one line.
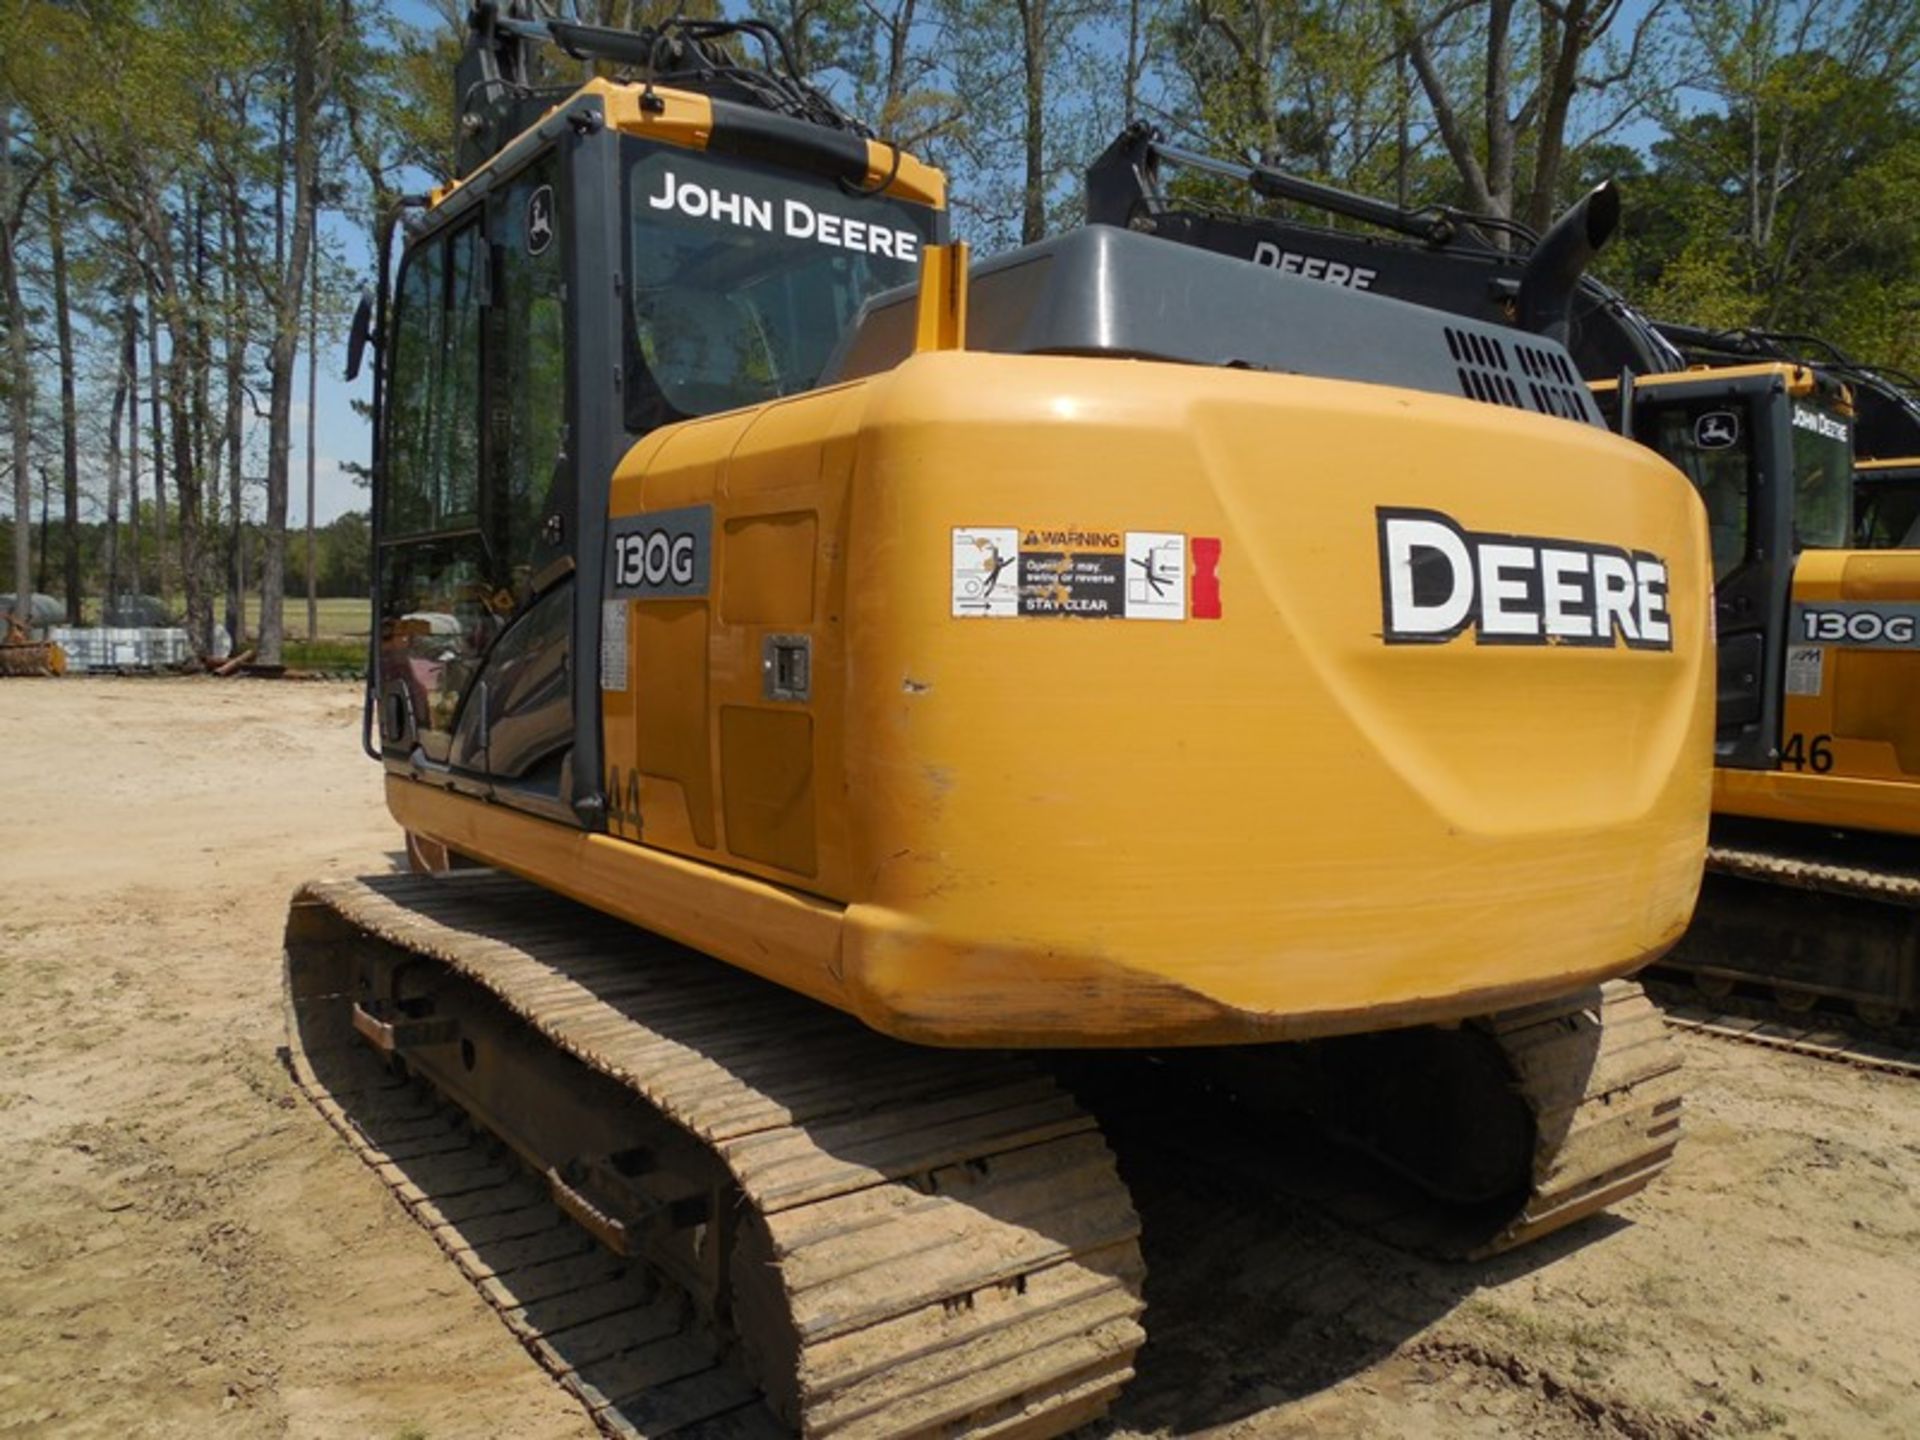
[(529, 367), (1711, 444), (745, 278), (438, 616), (1822, 478), (418, 326), (457, 403), (438, 610), (433, 416), (1889, 514)]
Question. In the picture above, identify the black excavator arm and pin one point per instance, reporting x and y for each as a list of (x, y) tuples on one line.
[(500, 88), (1435, 255), (1886, 402)]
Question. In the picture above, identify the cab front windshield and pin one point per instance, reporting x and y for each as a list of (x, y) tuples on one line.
[(1889, 517), (744, 278), (1822, 478)]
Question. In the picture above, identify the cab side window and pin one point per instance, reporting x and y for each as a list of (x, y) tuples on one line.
[(418, 322), (438, 611), (457, 401), (1711, 445), (529, 674), (433, 421), (529, 385)]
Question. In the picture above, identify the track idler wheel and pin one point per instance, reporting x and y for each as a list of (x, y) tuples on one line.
[(1794, 1000), (1714, 987), (1879, 1014)]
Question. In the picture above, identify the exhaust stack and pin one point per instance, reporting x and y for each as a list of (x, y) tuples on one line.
[(1562, 256)]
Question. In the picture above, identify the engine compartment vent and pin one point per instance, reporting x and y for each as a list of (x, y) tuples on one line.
[(1545, 380)]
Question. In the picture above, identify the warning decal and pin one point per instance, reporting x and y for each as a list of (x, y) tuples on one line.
[(1156, 576), (1000, 572), (1072, 572), (986, 578)]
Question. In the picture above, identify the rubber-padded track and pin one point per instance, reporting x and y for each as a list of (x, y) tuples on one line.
[(1812, 916), (956, 1249), (1818, 1037), (633, 1352), (1804, 873), (1602, 1077)]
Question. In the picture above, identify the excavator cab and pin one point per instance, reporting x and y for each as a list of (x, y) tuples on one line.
[(1886, 502), (632, 259), (1768, 448), (1849, 756)]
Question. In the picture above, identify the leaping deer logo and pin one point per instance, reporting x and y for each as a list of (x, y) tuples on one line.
[(1716, 430), (540, 220)]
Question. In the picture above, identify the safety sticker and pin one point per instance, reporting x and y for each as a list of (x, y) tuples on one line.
[(986, 571), (1156, 576), (1072, 572), (1806, 666), (1000, 572), (613, 645)]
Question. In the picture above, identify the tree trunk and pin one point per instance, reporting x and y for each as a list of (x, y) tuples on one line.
[(313, 395), (1447, 120), (46, 525), (1033, 47), (186, 489), (206, 455), (113, 481), (899, 36), (308, 84), (133, 448), (162, 551), (1130, 98), (69, 418), (1568, 43), (1500, 137), (20, 396), (235, 381)]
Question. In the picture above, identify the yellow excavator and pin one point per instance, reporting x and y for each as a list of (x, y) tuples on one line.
[(1815, 881), (819, 681), (1813, 890)]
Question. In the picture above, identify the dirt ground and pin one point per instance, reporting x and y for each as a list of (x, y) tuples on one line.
[(187, 1249)]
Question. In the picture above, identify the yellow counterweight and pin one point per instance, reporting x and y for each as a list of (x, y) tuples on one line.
[(1040, 700)]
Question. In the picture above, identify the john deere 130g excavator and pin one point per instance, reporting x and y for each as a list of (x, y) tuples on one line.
[(1114, 646), (1812, 888)]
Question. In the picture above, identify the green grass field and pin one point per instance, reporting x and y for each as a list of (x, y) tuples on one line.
[(342, 617)]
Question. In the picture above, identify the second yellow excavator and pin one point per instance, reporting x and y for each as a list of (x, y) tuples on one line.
[(1813, 891)]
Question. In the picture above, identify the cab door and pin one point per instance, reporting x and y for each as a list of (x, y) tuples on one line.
[(475, 490), (517, 729), (1729, 436)]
